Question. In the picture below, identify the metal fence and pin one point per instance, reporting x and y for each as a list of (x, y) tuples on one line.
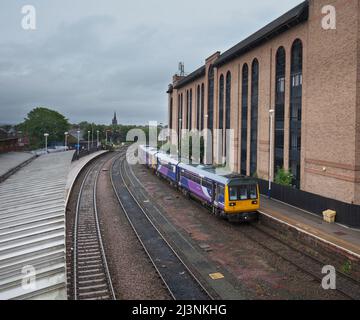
[(347, 214)]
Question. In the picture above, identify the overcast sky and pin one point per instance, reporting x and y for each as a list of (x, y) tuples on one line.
[(89, 58)]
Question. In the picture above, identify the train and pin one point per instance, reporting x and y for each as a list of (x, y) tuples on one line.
[(228, 195)]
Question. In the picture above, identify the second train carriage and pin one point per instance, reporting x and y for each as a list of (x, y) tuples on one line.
[(233, 196), (148, 156), (167, 167)]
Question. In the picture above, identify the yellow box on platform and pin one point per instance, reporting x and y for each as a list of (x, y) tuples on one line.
[(329, 216)]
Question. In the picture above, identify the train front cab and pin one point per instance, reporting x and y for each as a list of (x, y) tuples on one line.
[(242, 200)]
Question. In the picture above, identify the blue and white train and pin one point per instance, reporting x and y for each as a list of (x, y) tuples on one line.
[(228, 195)]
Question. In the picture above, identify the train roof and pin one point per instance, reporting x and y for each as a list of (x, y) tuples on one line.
[(217, 174), (166, 157), (150, 150)]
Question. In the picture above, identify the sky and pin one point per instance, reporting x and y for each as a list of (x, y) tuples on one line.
[(89, 58)]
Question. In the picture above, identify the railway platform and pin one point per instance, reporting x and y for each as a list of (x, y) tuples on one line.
[(12, 161), (308, 225), (32, 227)]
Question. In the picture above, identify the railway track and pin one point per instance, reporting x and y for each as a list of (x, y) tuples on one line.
[(91, 276), (306, 263), (179, 280)]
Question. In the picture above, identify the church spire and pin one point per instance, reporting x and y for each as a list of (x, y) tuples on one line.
[(114, 121)]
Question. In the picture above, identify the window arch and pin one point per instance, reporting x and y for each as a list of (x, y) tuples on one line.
[(254, 116), (244, 117), (279, 108), (221, 102), (296, 80), (210, 123)]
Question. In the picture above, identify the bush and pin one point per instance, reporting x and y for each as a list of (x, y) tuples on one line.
[(284, 177)]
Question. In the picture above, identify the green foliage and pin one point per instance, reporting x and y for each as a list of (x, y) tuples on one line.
[(346, 267), (283, 177), (43, 120)]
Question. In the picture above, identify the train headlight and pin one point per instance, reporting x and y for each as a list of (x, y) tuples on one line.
[(232, 204), (254, 202)]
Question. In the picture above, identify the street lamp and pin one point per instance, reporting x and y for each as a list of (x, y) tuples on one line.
[(89, 141), (97, 138), (46, 139), (66, 135), (78, 142), (271, 113)]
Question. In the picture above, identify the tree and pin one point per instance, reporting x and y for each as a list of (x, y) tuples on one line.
[(43, 120)]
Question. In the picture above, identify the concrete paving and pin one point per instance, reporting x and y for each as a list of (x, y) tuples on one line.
[(336, 235), (11, 160)]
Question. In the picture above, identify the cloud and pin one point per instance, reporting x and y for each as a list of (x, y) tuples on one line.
[(90, 58)]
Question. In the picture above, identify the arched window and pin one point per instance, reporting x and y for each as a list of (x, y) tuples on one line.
[(221, 102), (296, 80), (227, 110), (254, 116), (279, 108), (190, 110), (187, 109), (202, 107), (210, 123), (180, 112), (244, 117), (171, 113), (198, 108)]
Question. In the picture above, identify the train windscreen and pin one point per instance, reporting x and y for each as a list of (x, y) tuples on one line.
[(243, 192)]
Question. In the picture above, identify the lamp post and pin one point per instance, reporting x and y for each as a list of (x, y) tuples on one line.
[(78, 142), (66, 135), (97, 138), (46, 142), (92, 136), (89, 141), (271, 113)]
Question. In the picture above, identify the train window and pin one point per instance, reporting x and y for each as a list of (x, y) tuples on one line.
[(219, 193), (244, 192), (207, 184), (253, 192), (233, 193), (191, 177)]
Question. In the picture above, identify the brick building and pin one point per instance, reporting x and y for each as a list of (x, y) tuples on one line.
[(307, 72), (7, 142)]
